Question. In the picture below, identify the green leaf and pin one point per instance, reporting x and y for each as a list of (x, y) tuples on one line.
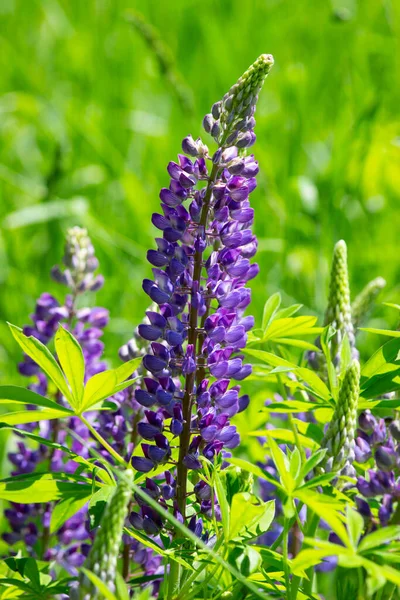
[(21, 417), (282, 465), (381, 373), (71, 359), (97, 504), (285, 435), (270, 308), (379, 538), (65, 509), (99, 584), (310, 464), (249, 517), (99, 387), (14, 393), (88, 463), (355, 525), (327, 509), (103, 385), (223, 502), (42, 487), (326, 336), (315, 384), (292, 326), (289, 311), (44, 358), (390, 333), (306, 559)]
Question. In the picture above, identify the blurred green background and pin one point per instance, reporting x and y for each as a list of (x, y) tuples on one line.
[(91, 113)]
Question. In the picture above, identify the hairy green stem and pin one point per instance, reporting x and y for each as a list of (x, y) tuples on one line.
[(103, 442)]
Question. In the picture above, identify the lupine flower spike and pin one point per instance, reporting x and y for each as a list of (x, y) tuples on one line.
[(338, 313), (339, 437), (363, 303), (102, 559), (201, 268)]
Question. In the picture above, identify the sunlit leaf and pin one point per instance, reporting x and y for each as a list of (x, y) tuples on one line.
[(44, 358), (249, 517), (71, 359)]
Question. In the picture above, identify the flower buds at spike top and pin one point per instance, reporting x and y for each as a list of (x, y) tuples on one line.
[(198, 327), (363, 303), (103, 556), (80, 262), (231, 121), (338, 313), (339, 437)]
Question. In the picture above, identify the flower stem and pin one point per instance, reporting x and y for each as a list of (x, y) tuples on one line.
[(286, 527), (103, 442)]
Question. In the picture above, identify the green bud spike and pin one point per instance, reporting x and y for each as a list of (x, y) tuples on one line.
[(363, 303), (234, 114), (338, 313), (103, 556), (339, 437)]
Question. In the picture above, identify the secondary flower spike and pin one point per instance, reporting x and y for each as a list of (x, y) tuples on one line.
[(202, 263), (103, 556), (363, 303), (339, 437), (338, 313)]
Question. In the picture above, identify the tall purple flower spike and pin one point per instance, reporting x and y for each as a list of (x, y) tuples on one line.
[(201, 266), (28, 521)]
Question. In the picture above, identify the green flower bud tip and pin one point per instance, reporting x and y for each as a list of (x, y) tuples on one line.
[(363, 303), (338, 313), (103, 556), (339, 437), (231, 121)]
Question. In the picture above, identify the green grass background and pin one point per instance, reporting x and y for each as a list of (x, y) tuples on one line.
[(89, 121)]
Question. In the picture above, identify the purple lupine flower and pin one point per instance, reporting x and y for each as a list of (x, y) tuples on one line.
[(201, 268), (68, 546), (383, 480)]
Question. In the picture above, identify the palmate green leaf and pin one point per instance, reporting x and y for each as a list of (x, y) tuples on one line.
[(71, 359), (381, 373), (44, 358), (43, 487), (249, 517), (65, 509), (103, 385), (379, 538), (292, 326)]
